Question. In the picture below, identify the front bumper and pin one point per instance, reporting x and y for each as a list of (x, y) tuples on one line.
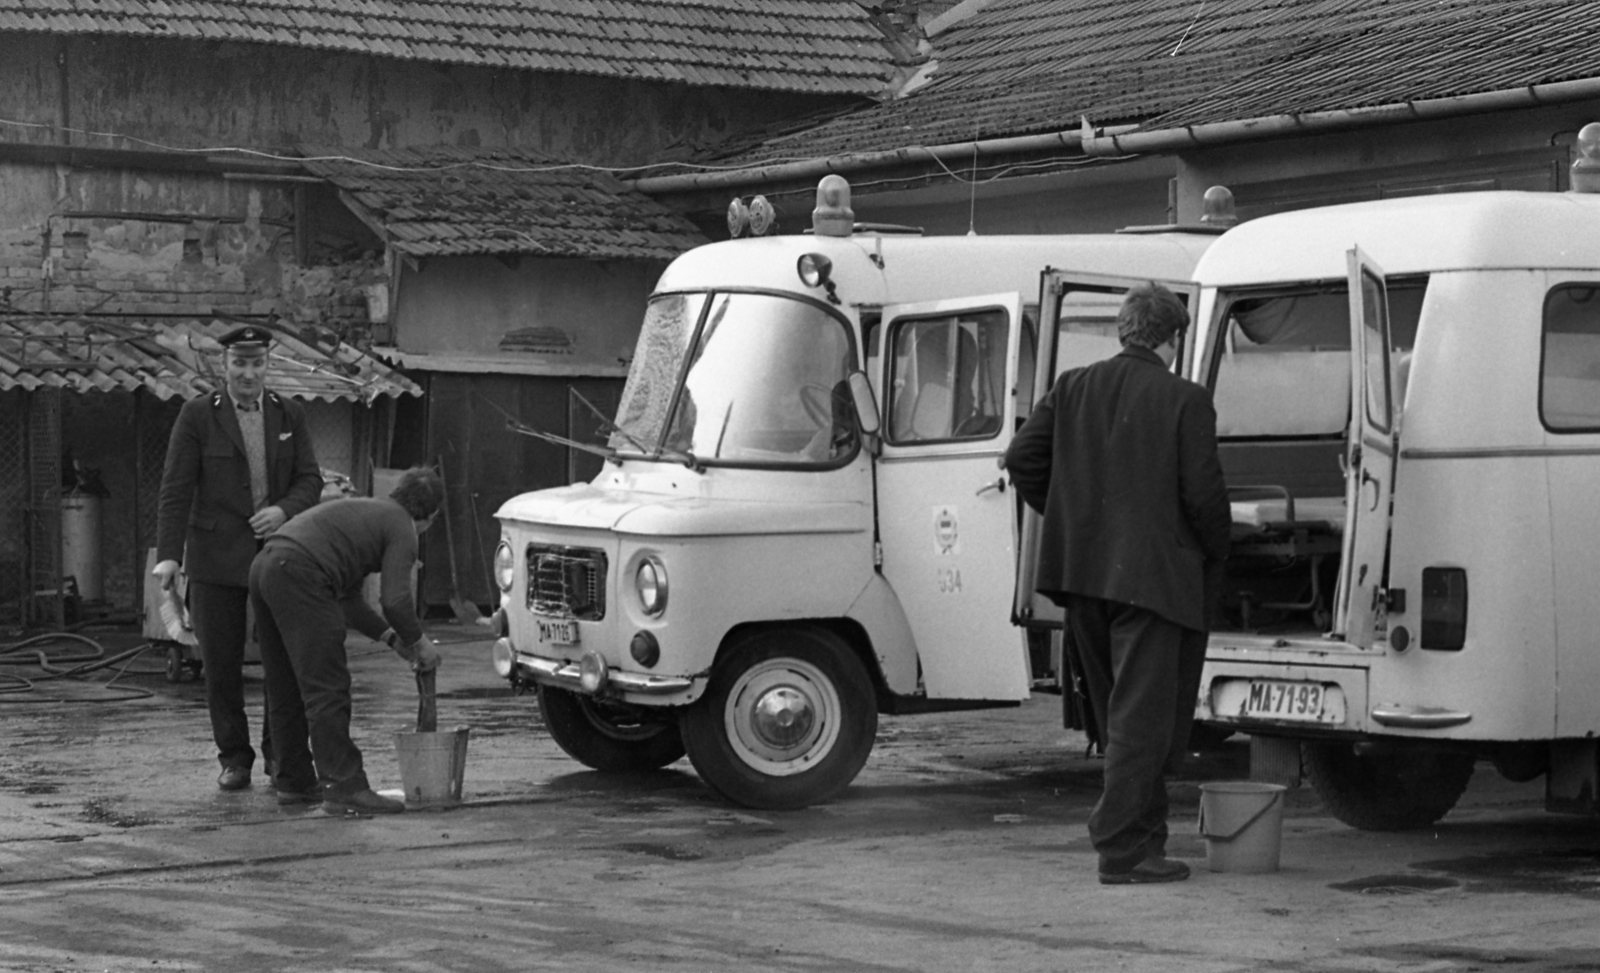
[(513, 664)]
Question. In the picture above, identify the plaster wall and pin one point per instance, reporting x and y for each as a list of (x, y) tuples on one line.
[(468, 305), (191, 94)]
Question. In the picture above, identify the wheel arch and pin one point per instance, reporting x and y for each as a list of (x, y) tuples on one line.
[(847, 631)]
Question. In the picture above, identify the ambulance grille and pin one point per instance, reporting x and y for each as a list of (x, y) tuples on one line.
[(567, 582)]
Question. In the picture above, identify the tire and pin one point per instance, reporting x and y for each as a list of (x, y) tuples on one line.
[(175, 663), (1389, 790), (825, 734), (609, 736)]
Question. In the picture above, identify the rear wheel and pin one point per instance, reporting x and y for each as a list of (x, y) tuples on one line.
[(1387, 789), (609, 736), (787, 720)]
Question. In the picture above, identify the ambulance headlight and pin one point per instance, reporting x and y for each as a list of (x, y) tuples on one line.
[(650, 581), (505, 566)]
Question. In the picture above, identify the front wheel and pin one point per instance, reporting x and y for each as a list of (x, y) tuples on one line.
[(1388, 789), (608, 736), (787, 720)]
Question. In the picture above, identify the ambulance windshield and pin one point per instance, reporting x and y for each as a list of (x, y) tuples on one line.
[(739, 379)]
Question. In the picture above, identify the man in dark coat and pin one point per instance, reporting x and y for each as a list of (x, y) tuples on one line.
[(306, 588), (1121, 459), (239, 464)]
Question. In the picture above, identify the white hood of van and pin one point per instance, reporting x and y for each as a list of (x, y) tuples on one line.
[(586, 506)]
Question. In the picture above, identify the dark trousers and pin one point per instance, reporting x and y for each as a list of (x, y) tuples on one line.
[(218, 614), (302, 631), (1142, 673)]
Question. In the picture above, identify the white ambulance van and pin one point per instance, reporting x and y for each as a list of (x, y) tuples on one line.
[(802, 522), (1408, 399)]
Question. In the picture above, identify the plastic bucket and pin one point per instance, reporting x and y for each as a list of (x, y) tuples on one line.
[(1242, 822), (432, 766)]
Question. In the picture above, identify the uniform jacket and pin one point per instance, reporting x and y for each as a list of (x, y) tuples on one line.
[(1121, 459), (205, 505)]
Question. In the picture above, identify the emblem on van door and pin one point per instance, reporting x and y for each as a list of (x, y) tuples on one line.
[(946, 531)]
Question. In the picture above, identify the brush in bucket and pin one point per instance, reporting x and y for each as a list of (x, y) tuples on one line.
[(432, 764)]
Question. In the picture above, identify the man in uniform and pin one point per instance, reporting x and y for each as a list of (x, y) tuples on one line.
[(239, 464), (306, 588), (1121, 459)]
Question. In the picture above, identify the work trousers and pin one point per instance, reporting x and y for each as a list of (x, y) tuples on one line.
[(218, 612), (302, 632), (1142, 673)]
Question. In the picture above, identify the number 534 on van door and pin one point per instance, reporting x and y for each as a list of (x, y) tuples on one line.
[(949, 580)]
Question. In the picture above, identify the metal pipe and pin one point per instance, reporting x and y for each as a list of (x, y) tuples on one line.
[(811, 168), (1275, 126)]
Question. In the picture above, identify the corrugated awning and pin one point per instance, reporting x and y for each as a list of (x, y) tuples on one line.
[(180, 359)]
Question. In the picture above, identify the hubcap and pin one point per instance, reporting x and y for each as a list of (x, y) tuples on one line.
[(782, 716)]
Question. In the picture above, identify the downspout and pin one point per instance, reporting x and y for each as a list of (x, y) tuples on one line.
[(1111, 144), (855, 161)]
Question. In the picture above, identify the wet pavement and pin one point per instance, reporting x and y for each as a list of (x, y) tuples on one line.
[(962, 846)]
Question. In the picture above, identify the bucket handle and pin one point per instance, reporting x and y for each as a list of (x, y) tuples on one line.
[(1276, 797)]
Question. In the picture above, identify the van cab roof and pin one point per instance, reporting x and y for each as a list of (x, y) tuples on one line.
[(873, 269), (1418, 234)]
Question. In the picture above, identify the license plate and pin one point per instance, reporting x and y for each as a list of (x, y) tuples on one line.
[(1280, 700), (558, 631)]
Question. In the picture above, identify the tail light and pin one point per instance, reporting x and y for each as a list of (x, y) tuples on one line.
[(1444, 608)]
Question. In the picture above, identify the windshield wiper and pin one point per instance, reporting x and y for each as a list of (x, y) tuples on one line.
[(518, 426), (606, 425)]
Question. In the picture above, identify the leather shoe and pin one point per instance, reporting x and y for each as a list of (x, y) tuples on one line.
[(292, 795), (1152, 869), (234, 778), (362, 802)]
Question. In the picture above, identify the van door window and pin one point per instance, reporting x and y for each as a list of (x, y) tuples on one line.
[(1569, 392), (948, 378)]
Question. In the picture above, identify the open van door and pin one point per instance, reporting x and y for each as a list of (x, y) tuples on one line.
[(1359, 605), (1077, 327), (946, 515)]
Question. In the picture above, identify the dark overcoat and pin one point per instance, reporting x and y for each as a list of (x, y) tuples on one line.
[(205, 505), (1121, 459)]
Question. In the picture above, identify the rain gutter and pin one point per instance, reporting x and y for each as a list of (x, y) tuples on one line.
[(1121, 140), (1113, 143), (856, 161)]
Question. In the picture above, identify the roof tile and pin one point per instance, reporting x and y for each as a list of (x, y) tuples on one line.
[(711, 42)]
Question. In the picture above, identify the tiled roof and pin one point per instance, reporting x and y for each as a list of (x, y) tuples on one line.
[(1023, 67), (178, 360), (818, 46), (457, 201)]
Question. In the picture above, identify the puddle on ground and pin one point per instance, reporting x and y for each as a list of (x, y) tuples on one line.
[(1571, 871), (1396, 884), (669, 852)]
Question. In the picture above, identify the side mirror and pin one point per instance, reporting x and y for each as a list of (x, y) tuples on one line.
[(866, 405)]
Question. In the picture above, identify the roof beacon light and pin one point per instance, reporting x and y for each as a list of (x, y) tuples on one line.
[(1217, 208), (1586, 167), (833, 215), (763, 218), (738, 217)]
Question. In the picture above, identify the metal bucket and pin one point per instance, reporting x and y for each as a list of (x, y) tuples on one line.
[(432, 766), (1242, 822)]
